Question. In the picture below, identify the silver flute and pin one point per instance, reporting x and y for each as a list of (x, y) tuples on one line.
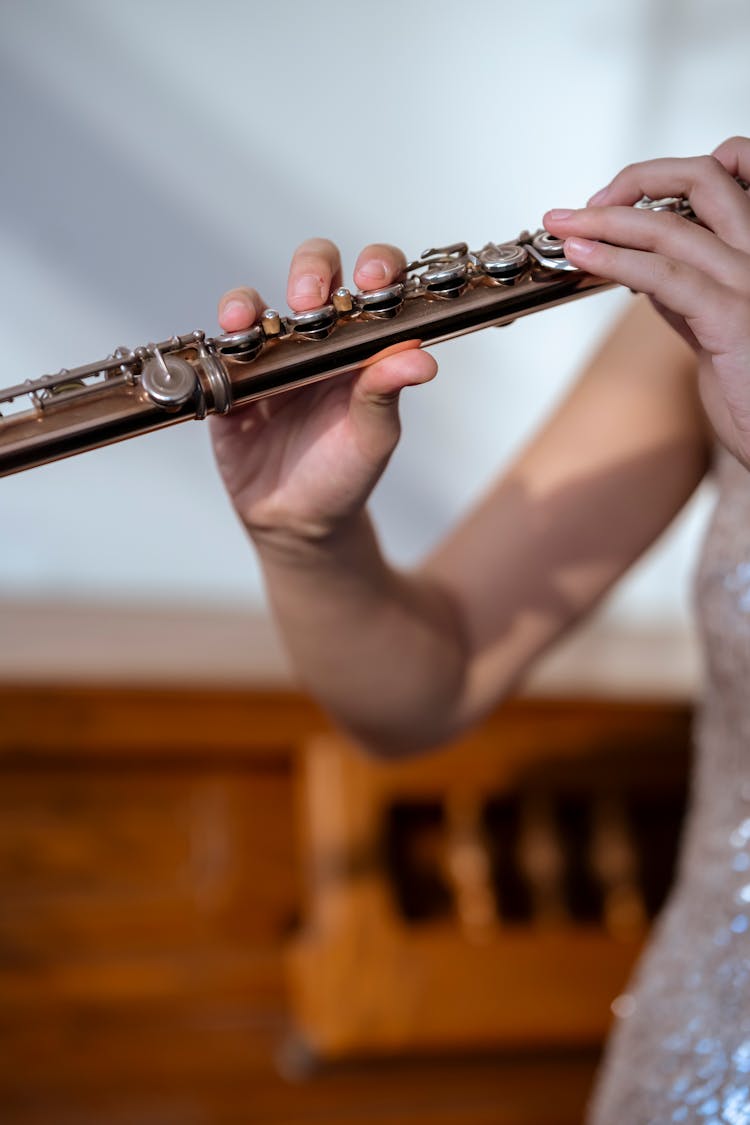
[(446, 292)]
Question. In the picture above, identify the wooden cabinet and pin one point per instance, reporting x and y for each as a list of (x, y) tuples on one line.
[(213, 910)]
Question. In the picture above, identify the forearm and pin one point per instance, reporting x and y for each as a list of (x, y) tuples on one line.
[(384, 652)]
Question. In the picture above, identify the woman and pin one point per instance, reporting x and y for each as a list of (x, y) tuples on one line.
[(407, 660)]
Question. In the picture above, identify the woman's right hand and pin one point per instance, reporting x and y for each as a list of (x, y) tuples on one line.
[(304, 461)]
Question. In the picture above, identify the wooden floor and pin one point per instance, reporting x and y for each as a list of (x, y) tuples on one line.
[(151, 881)]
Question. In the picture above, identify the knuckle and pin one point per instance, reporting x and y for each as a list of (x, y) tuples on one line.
[(383, 398), (710, 166), (665, 271), (735, 142), (629, 172)]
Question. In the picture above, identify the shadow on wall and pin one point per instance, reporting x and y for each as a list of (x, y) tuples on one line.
[(75, 197)]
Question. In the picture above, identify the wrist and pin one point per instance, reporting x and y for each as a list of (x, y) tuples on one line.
[(293, 547)]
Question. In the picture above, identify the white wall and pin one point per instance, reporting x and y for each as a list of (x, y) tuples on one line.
[(155, 153)]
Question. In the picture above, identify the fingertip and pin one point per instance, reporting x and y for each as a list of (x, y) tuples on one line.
[(579, 249), (307, 291), (423, 366), (734, 156), (315, 269), (730, 145), (236, 315), (409, 367), (557, 215), (372, 274), (378, 265), (238, 309)]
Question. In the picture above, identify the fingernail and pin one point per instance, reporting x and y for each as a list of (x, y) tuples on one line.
[(237, 311), (373, 271), (581, 247), (559, 213), (599, 197), (308, 286)]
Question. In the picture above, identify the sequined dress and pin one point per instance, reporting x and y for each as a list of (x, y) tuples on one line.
[(682, 1053)]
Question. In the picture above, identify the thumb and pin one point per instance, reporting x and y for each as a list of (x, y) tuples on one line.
[(377, 387)]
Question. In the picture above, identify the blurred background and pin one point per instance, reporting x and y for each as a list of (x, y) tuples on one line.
[(158, 869), (156, 154)]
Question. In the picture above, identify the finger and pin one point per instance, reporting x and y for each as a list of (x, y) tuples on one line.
[(717, 199), (734, 155), (377, 265), (378, 386), (659, 232), (240, 308), (315, 270), (681, 288)]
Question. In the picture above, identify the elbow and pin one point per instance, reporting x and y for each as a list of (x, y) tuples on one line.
[(389, 748), (409, 696), (389, 740)]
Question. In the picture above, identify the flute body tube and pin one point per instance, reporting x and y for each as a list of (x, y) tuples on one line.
[(447, 292)]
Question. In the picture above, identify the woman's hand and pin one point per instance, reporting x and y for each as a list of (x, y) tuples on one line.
[(304, 461), (697, 274)]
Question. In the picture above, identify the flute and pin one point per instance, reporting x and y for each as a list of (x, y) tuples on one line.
[(446, 292)]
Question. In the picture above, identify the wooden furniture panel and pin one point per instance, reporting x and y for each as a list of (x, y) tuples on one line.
[(153, 877), (369, 975), (131, 859)]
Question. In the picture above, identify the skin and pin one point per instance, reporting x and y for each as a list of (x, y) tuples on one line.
[(407, 660)]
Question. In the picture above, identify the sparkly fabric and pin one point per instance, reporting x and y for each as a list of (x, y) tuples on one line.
[(680, 1050)]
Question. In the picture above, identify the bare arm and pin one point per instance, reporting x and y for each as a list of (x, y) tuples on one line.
[(592, 490), (407, 660)]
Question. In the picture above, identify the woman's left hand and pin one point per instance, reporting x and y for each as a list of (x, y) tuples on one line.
[(697, 274)]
